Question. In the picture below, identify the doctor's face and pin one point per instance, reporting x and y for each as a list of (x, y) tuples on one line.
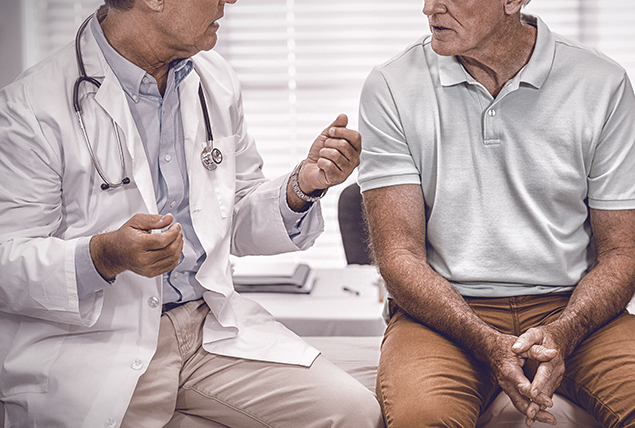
[(462, 27), (191, 26)]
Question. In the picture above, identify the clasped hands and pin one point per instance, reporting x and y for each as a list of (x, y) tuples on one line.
[(531, 398)]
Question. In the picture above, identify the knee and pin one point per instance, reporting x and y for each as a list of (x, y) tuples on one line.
[(427, 415), (360, 409)]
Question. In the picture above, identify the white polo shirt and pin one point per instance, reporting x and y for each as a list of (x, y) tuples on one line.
[(508, 181)]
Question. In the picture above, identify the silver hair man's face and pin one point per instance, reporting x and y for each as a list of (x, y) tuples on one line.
[(462, 27)]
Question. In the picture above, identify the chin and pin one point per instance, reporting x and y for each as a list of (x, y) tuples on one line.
[(443, 48), (208, 43)]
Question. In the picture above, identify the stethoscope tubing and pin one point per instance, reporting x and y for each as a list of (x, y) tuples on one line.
[(211, 156), (107, 184)]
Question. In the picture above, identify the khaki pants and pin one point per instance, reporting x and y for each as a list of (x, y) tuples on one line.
[(187, 387), (425, 380)]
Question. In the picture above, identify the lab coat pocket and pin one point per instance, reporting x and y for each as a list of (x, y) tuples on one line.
[(222, 179), (36, 345)]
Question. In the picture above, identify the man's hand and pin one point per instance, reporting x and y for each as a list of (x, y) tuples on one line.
[(332, 158), (135, 247), (539, 341), (506, 361)]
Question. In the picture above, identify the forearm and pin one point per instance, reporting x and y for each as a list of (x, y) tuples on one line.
[(397, 226), (599, 297), (433, 301), (608, 287)]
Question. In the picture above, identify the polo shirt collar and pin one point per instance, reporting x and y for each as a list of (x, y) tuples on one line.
[(537, 69), (451, 72)]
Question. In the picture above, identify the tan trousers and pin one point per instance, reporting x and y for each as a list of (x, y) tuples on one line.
[(425, 380), (187, 387)]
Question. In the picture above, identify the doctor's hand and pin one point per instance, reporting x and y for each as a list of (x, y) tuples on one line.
[(331, 159), (136, 248)]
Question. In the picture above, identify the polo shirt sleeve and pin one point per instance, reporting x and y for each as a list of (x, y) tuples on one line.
[(386, 159), (611, 179)]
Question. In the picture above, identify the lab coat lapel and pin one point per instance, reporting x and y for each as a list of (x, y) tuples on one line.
[(194, 135), (113, 100), (195, 140)]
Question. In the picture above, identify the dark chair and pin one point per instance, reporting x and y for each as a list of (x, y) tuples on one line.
[(352, 227)]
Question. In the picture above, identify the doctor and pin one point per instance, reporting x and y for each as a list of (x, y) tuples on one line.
[(116, 301)]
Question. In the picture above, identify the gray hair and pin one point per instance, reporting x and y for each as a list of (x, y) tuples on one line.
[(123, 5)]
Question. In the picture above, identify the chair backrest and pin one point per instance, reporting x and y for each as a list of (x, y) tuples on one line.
[(352, 228)]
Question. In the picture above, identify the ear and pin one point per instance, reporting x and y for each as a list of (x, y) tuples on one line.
[(513, 6), (155, 5)]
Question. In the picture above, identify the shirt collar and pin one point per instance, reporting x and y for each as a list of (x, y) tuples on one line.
[(130, 76), (535, 72)]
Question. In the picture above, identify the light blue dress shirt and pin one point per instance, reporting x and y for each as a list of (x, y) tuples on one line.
[(159, 124)]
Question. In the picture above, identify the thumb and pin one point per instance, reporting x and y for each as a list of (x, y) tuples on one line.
[(151, 221), (340, 122), (542, 353), (526, 340)]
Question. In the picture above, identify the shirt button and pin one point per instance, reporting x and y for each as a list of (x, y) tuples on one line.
[(172, 204), (153, 302), (137, 364), (110, 423), (175, 275), (492, 112), (146, 80), (167, 158)]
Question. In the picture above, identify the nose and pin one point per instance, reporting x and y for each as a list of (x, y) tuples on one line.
[(430, 7)]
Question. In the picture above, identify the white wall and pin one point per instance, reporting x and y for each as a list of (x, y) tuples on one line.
[(11, 59)]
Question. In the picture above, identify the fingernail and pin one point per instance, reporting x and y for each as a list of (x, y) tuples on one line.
[(331, 131), (516, 345)]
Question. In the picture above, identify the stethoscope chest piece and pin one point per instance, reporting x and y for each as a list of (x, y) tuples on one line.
[(211, 158)]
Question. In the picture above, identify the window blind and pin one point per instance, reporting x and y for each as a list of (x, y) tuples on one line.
[(51, 24), (302, 62)]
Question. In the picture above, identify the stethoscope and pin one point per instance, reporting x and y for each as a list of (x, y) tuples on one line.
[(211, 156)]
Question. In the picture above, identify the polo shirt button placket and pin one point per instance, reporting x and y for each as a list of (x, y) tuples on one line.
[(490, 129)]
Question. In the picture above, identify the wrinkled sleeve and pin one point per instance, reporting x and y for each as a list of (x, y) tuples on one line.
[(37, 267), (258, 227)]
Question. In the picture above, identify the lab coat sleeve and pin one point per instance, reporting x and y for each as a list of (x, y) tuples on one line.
[(297, 223), (258, 226), (37, 264)]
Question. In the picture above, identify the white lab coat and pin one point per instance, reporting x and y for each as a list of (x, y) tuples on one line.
[(71, 363)]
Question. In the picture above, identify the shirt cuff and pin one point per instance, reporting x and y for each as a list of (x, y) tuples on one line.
[(292, 220), (89, 281)]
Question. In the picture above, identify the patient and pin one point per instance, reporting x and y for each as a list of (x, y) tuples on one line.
[(497, 175)]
